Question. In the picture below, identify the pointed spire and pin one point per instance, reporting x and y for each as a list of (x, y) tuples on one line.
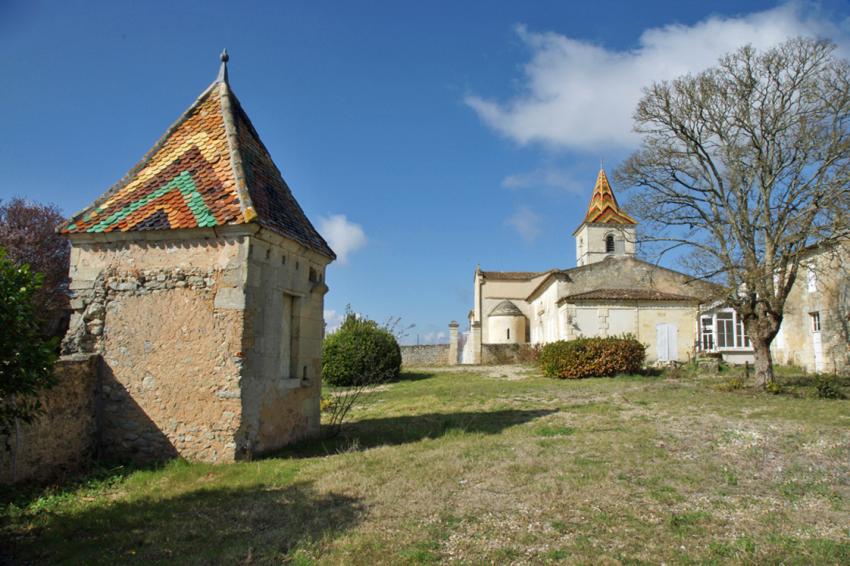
[(222, 71), (604, 208), (204, 172)]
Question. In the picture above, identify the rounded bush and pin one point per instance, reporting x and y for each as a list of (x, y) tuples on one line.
[(360, 353), (592, 357)]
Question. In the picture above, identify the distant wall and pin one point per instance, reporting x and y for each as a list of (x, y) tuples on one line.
[(425, 355), (499, 354), (65, 438)]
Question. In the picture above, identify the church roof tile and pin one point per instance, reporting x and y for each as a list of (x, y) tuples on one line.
[(506, 308), (604, 208), (513, 275), (627, 294)]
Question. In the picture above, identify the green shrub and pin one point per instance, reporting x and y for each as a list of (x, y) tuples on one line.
[(360, 353), (592, 357), (26, 356), (828, 389), (732, 384)]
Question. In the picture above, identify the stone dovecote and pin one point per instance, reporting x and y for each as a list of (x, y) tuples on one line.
[(200, 283)]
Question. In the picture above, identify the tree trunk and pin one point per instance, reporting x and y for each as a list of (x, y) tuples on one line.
[(763, 362)]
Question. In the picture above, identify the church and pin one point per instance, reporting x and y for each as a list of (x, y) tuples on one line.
[(608, 293)]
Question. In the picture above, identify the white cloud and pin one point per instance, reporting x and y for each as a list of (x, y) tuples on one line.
[(343, 236), (433, 338), (578, 95), (525, 222), (545, 178), (333, 320)]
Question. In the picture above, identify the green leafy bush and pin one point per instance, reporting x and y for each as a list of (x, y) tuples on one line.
[(774, 388), (592, 357), (360, 353), (26, 356), (732, 384), (828, 389)]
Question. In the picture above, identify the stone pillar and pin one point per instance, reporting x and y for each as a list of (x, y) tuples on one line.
[(475, 338), (453, 343)]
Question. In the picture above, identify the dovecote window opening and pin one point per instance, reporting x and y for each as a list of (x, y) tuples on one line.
[(290, 336), (315, 276)]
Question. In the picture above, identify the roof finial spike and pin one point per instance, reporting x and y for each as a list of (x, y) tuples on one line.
[(222, 71)]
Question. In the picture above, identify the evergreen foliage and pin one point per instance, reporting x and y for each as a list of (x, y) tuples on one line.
[(360, 353), (26, 356), (592, 357)]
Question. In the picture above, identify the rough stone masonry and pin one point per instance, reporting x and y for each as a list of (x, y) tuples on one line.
[(199, 281)]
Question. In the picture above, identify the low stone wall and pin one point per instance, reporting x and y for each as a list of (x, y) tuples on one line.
[(501, 354), (64, 438), (425, 355)]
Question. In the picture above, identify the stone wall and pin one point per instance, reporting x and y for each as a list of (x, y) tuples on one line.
[(425, 355), (284, 307), (826, 290), (210, 340), (65, 438), (167, 318), (500, 354)]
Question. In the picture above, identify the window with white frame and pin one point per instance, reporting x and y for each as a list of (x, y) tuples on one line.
[(815, 321), (741, 338), (725, 330), (707, 334)]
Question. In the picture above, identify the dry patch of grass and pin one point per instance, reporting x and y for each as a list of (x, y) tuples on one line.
[(489, 467)]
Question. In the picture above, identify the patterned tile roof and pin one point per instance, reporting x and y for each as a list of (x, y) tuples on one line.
[(603, 207), (627, 294), (210, 168)]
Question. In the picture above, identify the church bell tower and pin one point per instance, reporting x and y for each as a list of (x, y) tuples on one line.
[(606, 230)]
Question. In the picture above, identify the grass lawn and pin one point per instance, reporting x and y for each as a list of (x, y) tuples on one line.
[(487, 467)]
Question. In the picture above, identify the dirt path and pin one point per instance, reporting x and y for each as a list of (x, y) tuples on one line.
[(510, 372)]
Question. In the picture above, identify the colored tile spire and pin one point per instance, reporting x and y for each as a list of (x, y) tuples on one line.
[(210, 168), (603, 207)]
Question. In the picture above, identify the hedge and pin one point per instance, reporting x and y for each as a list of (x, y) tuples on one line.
[(592, 357), (360, 353)]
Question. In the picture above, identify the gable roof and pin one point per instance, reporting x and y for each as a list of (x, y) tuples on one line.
[(604, 208), (210, 168), (606, 264), (512, 275), (626, 294)]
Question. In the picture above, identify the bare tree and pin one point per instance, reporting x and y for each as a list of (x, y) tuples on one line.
[(745, 165)]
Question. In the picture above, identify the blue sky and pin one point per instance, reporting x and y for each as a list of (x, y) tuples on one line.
[(422, 138)]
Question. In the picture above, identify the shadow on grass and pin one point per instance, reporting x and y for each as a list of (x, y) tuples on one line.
[(803, 380), (97, 473), (260, 524), (414, 376), (369, 433)]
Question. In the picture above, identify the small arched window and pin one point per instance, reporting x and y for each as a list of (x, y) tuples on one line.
[(609, 244), (509, 333)]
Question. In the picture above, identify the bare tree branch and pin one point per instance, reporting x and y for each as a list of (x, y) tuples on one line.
[(746, 165)]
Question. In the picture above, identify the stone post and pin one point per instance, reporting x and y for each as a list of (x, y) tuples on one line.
[(453, 343), (475, 338)]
